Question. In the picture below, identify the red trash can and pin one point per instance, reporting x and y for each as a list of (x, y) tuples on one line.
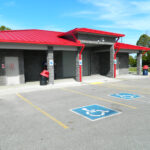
[(145, 70), (44, 77)]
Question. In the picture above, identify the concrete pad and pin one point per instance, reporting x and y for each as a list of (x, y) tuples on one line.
[(24, 127), (98, 78), (132, 76)]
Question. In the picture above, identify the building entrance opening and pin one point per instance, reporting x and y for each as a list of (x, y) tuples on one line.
[(34, 63), (96, 61)]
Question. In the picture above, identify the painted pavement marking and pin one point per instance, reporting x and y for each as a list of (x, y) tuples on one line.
[(95, 83), (98, 98), (42, 111), (126, 96), (95, 112), (125, 89)]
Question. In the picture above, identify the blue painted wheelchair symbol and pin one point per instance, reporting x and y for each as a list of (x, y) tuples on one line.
[(125, 96), (94, 112)]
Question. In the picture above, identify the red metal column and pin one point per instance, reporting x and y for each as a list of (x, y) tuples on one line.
[(115, 62), (80, 62), (115, 55)]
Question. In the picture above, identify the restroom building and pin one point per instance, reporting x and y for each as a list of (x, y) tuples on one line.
[(73, 54)]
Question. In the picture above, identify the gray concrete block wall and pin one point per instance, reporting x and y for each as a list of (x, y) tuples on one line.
[(10, 53), (77, 65), (94, 38), (86, 56), (139, 63), (123, 63), (21, 68), (2, 71), (111, 57), (50, 68)]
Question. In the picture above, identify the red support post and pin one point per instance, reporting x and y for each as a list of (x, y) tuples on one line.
[(80, 63), (115, 55), (115, 62)]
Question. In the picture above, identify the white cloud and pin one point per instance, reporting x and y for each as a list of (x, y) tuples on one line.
[(143, 6), (128, 14)]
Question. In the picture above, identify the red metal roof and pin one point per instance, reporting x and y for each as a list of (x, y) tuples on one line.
[(92, 31), (130, 47), (35, 37)]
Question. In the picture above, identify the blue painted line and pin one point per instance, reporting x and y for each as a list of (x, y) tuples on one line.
[(94, 112)]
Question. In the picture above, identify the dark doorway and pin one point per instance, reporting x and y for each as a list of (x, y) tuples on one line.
[(33, 64), (58, 67)]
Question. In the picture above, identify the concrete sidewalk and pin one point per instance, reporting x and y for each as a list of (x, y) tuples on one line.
[(61, 83), (35, 86)]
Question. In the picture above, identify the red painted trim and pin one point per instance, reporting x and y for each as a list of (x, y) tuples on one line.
[(80, 66), (131, 47), (93, 31), (145, 52), (115, 55), (80, 70), (39, 43), (115, 66)]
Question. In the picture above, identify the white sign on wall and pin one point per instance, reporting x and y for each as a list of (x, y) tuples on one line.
[(115, 61), (51, 62), (80, 62)]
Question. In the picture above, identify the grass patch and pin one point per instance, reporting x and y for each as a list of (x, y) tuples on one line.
[(134, 69)]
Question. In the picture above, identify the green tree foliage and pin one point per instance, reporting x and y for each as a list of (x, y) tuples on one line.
[(132, 61), (144, 40), (2, 28)]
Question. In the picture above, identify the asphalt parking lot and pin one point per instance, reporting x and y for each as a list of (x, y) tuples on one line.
[(44, 120)]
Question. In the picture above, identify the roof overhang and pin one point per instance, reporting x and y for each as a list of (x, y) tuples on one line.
[(130, 47), (92, 31)]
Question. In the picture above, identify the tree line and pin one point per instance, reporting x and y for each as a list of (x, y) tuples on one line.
[(3, 28), (144, 40)]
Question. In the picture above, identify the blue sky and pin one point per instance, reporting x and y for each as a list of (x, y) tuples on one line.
[(131, 17)]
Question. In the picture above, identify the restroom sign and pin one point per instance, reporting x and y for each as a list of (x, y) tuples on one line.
[(80, 62), (115, 61), (51, 63)]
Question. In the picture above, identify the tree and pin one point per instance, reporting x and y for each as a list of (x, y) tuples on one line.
[(132, 61), (144, 40), (2, 28)]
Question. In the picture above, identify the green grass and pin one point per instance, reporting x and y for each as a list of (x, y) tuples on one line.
[(134, 69)]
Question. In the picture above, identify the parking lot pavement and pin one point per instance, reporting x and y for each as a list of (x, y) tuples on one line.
[(53, 119)]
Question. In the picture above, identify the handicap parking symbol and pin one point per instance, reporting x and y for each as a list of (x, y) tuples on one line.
[(94, 112), (126, 96)]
